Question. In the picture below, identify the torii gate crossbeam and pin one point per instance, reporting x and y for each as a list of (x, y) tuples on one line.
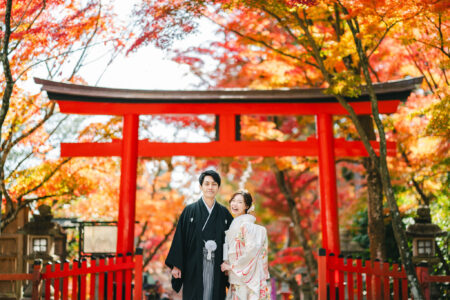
[(227, 106)]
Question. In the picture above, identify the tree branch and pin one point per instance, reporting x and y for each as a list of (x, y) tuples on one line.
[(29, 25), (19, 164), (160, 244), (426, 200), (13, 214), (83, 53), (265, 44), (141, 235), (61, 54), (10, 132), (6, 151), (46, 178), (388, 28), (328, 77)]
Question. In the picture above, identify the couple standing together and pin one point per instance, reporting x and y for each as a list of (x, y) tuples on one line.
[(211, 251)]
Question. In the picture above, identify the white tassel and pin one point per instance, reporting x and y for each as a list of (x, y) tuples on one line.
[(210, 246)]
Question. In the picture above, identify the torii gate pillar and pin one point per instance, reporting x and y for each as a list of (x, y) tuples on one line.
[(327, 183), (127, 206)]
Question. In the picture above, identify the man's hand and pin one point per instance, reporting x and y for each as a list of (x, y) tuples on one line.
[(176, 273)]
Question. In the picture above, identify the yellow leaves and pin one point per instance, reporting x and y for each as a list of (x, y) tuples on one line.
[(317, 11), (427, 155), (273, 74), (98, 196), (335, 51), (424, 147), (425, 115), (338, 88), (38, 181), (371, 34), (439, 124), (259, 130), (25, 112), (102, 130), (284, 163), (345, 83)]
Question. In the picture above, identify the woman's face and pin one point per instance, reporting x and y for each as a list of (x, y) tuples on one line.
[(237, 205)]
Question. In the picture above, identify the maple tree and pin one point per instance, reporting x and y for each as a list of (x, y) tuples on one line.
[(335, 44), (57, 36), (421, 125)]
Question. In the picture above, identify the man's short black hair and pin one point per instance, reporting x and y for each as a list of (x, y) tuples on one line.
[(211, 173)]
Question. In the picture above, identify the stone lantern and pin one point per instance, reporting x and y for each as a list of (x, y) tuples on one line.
[(46, 240), (423, 234)]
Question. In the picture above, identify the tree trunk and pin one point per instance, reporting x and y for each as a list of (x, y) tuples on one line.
[(396, 219), (287, 278), (376, 230), (296, 290), (311, 263), (7, 92)]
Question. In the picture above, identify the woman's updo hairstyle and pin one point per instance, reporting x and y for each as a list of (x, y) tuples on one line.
[(248, 200)]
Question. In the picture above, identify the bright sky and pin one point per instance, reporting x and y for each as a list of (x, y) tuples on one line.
[(149, 67)]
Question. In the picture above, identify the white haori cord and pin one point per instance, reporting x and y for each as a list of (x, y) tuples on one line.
[(210, 246)]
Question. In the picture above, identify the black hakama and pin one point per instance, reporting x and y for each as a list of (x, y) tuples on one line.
[(186, 251)]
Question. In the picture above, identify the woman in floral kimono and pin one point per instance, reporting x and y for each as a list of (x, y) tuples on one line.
[(245, 252)]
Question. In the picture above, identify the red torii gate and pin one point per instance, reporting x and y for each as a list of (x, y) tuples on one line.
[(227, 105)]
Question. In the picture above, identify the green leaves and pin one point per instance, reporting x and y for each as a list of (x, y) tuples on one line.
[(346, 84), (439, 121)]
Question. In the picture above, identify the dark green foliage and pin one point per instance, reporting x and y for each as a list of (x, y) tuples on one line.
[(360, 235), (347, 174)]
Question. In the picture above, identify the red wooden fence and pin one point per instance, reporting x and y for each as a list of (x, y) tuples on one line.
[(102, 279), (348, 278)]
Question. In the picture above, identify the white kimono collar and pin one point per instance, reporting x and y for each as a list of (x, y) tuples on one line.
[(243, 219)]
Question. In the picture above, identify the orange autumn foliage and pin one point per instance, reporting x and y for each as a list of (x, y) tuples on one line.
[(55, 35)]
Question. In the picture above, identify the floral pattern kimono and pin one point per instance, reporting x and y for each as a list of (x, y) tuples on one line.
[(246, 252)]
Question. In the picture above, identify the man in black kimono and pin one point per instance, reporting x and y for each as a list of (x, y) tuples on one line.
[(197, 247)]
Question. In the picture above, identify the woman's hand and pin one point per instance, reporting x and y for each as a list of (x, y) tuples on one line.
[(225, 267)]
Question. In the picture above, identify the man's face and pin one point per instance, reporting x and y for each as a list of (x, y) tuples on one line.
[(209, 187)]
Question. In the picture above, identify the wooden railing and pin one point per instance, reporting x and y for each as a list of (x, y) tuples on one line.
[(101, 278), (347, 278), (33, 277)]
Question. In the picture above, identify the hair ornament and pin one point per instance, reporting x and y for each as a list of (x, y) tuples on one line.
[(251, 209)]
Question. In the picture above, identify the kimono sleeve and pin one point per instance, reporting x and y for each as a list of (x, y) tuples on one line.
[(176, 255)]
